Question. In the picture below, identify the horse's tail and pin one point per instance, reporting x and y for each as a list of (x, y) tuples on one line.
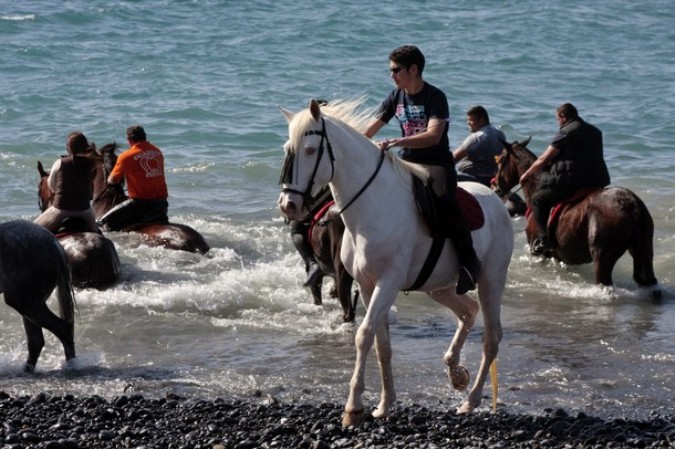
[(64, 286), (642, 246)]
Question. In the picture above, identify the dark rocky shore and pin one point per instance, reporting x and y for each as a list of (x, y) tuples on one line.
[(132, 421)]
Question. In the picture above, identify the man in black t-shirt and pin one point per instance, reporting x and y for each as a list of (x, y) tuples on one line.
[(422, 112)]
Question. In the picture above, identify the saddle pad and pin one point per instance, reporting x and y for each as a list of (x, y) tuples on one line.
[(317, 217), (557, 209), (472, 210)]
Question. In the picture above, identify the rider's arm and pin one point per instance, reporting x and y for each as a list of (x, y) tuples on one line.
[(51, 181), (539, 164), (373, 128)]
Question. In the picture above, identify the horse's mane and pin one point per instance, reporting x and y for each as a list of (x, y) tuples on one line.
[(349, 112)]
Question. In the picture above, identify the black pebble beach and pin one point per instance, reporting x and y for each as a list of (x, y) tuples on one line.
[(132, 421)]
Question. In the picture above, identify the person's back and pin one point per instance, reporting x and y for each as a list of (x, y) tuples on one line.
[(70, 179), (142, 165), (580, 163)]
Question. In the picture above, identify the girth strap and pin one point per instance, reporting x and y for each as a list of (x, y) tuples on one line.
[(429, 263)]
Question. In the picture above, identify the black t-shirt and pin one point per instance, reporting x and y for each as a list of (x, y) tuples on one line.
[(413, 113)]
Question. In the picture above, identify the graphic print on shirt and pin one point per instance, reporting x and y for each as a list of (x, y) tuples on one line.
[(151, 162), (412, 118)]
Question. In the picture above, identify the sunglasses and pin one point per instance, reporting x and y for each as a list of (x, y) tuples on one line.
[(396, 69)]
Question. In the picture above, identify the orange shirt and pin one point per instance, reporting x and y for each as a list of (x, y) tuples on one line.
[(143, 167)]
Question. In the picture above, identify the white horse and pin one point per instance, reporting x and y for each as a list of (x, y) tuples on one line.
[(386, 242)]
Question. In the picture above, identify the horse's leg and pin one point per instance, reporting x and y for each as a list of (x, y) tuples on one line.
[(490, 294), (383, 351), (466, 310), (64, 331), (35, 342), (344, 281), (378, 302)]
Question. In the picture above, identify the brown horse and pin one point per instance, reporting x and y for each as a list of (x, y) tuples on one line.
[(92, 257), (326, 241), (598, 228), (169, 235), (32, 265)]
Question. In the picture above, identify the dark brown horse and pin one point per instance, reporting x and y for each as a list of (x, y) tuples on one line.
[(169, 235), (326, 240), (92, 257), (598, 228), (32, 264)]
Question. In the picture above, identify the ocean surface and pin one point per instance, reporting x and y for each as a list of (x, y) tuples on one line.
[(205, 78)]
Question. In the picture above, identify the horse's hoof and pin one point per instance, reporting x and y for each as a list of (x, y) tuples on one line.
[(29, 368), (465, 408), (459, 377), (352, 418)]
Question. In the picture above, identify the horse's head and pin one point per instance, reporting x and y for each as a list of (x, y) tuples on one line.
[(106, 196), (45, 194), (511, 164), (305, 169)]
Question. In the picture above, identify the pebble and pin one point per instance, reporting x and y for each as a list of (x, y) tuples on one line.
[(133, 421)]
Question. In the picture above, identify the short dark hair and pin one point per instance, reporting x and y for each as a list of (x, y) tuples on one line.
[(568, 110), (479, 112), (408, 55), (136, 133)]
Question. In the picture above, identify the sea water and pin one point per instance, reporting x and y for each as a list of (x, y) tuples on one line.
[(205, 78)]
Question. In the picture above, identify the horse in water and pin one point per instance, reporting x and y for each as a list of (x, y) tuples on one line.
[(386, 244), (92, 257), (169, 235), (32, 264), (325, 235), (598, 227)]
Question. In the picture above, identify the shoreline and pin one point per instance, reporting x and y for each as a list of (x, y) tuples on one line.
[(133, 421)]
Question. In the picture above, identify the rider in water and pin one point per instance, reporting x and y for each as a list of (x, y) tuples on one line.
[(573, 161), (423, 114), (475, 157), (70, 178), (142, 166)]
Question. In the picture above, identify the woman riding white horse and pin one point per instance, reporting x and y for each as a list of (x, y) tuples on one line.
[(386, 242)]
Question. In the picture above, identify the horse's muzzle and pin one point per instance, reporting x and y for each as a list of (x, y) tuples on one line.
[(291, 210)]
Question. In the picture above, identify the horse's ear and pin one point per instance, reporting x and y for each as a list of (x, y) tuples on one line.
[(41, 170), (525, 142), (505, 144), (286, 113), (315, 110)]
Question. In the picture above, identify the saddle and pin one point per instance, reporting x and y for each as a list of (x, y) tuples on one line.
[(70, 225), (556, 211), (429, 206)]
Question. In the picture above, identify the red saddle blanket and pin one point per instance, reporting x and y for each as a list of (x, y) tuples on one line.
[(317, 217), (556, 210), (472, 210)]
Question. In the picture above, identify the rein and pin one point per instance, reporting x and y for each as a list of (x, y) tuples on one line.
[(286, 172)]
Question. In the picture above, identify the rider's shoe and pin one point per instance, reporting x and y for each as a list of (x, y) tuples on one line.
[(541, 247), (468, 275), (313, 274)]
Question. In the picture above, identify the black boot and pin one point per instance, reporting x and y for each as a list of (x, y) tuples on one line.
[(469, 266), (541, 246), (299, 238)]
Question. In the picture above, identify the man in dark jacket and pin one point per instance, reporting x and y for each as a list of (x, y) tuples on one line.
[(573, 161)]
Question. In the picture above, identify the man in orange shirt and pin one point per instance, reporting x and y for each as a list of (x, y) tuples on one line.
[(142, 165)]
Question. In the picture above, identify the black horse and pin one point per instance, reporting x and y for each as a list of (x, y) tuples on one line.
[(32, 264)]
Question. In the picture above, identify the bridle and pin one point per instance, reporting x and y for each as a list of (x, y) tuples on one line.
[(287, 170)]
